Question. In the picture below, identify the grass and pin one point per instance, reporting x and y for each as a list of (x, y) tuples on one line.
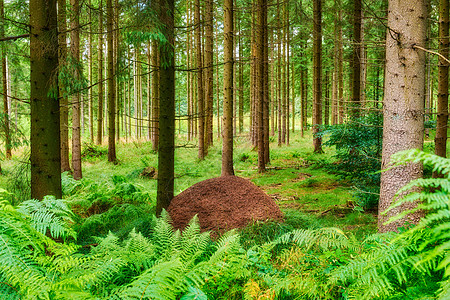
[(307, 193)]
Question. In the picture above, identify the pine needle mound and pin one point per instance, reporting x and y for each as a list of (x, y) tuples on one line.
[(223, 203)]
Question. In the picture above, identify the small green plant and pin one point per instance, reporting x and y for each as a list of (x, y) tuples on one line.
[(358, 155), (93, 151)]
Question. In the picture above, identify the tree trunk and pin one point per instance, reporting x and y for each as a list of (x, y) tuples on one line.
[(288, 63), (209, 70), (317, 76), (340, 65), (335, 100), (279, 77), (100, 75), (8, 145), (326, 114), (76, 112), (283, 44), (90, 75), (155, 95), (265, 82), (403, 103), (64, 112), (260, 64), (188, 75), (45, 136), (202, 151), (227, 145), (442, 104), (166, 146), (111, 84), (241, 78), (356, 59)]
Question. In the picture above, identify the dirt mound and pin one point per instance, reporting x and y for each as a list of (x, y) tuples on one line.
[(223, 203)]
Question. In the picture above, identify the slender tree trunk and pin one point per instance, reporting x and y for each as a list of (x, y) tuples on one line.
[(279, 78), (317, 76), (265, 83), (64, 112), (293, 98), (44, 136), (111, 83), (149, 92), (302, 101), (241, 78), (340, 65), (284, 101), (188, 75), (90, 75), (166, 144), (356, 59), (326, 114), (219, 127), (155, 95), (227, 145), (259, 62), (403, 103), (209, 70), (76, 112), (118, 99), (288, 42), (202, 150), (335, 100), (100, 76), (442, 104), (363, 64), (8, 145)]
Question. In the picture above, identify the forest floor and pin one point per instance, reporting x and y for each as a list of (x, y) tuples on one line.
[(296, 178)]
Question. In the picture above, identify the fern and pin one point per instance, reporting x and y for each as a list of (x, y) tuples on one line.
[(49, 215), (322, 238), (398, 262)]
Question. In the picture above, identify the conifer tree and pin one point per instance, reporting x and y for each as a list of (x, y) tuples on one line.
[(45, 135)]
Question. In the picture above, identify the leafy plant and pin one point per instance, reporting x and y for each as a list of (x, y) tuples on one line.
[(50, 216), (358, 154), (415, 261)]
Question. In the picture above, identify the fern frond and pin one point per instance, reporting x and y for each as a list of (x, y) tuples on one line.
[(163, 236), (323, 238), (440, 164), (50, 215), (156, 283)]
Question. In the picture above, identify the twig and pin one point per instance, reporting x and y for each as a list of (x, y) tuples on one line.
[(432, 52), (9, 38)]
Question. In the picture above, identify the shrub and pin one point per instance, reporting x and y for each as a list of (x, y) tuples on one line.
[(358, 155)]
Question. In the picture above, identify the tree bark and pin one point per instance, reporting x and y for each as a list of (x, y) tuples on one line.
[(356, 60), (317, 76), (155, 95), (111, 84), (403, 103), (442, 101), (166, 146), (90, 75), (100, 75), (64, 112), (260, 94), (340, 65), (227, 145), (45, 136), (209, 70), (202, 150), (76, 99), (240, 77), (8, 145)]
